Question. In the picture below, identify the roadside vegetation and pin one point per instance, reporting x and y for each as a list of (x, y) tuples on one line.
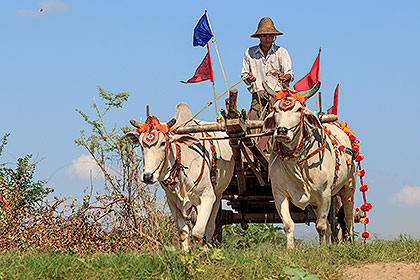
[(265, 260), (124, 231)]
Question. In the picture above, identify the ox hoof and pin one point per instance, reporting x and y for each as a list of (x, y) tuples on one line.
[(183, 236)]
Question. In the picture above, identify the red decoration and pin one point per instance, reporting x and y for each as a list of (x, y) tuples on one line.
[(364, 220), (359, 158), (341, 148), (366, 207), (311, 78), (365, 234), (355, 144), (364, 188), (334, 108), (287, 103), (150, 139), (203, 72)]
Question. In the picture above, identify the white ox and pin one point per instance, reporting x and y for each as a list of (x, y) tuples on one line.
[(305, 167), (184, 168)]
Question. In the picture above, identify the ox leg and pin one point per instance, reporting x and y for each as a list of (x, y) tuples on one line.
[(322, 219), (282, 205), (211, 224), (347, 199), (181, 223), (204, 211)]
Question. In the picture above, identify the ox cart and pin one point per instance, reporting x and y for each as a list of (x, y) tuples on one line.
[(249, 193)]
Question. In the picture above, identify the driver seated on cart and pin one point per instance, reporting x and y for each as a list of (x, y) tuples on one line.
[(265, 62)]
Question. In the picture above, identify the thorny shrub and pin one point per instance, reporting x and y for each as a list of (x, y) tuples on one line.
[(126, 215)]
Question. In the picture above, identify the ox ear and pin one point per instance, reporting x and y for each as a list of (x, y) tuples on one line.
[(133, 137), (269, 122), (183, 139), (311, 118)]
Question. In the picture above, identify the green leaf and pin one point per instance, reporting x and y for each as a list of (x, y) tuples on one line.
[(298, 273)]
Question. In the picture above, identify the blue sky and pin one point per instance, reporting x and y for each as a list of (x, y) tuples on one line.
[(53, 61)]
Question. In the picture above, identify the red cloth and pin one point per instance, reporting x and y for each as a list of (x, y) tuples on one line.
[(204, 71), (307, 82), (334, 108)]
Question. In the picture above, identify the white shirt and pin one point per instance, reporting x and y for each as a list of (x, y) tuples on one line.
[(255, 62)]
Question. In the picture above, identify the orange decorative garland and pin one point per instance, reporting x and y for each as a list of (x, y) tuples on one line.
[(152, 123), (355, 144), (290, 93)]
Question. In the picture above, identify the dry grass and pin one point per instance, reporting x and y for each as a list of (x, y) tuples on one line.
[(87, 228)]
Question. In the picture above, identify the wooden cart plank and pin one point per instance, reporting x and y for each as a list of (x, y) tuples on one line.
[(251, 164), (258, 153)]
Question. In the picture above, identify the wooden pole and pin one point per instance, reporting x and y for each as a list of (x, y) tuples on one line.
[(215, 45), (211, 102), (320, 102), (147, 111), (212, 79)]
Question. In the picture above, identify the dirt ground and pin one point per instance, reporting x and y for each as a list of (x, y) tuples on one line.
[(384, 271)]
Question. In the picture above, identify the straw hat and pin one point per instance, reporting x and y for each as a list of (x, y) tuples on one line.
[(266, 27)]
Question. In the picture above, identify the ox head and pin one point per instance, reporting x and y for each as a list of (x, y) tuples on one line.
[(288, 115), (155, 139)]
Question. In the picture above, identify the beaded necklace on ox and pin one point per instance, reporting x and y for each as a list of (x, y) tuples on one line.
[(287, 100)]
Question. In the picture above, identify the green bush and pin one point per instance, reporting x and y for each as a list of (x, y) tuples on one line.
[(236, 237), (18, 189)]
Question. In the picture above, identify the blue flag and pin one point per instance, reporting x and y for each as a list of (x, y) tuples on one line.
[(202, 32)]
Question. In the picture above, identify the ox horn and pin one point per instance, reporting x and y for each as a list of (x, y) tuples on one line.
[(135, 123), (311, 92), (268, 89), (307, 94), (171, 122)]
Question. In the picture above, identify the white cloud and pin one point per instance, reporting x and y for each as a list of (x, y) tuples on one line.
[(83, 168), (46, 6), (407, 196)]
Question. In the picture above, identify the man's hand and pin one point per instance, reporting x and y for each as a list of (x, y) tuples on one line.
[(251, 78), (284, 78)]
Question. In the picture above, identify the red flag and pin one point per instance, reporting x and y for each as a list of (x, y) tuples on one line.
[(204, 71), (307, 82), (334, 108)]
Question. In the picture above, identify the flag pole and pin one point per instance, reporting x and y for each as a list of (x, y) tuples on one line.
[(214, 100), (212, 79), (215, 45)]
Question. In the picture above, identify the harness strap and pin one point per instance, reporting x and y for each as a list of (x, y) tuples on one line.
[(175, 170), (214, 159), (196, 181), (313, 153)]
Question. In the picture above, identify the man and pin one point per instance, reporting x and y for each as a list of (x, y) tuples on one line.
[(265, 62)]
